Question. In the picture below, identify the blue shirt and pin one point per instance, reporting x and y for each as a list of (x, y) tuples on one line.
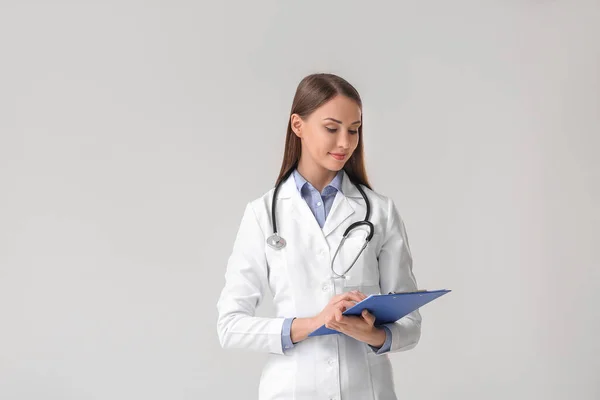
[(320, 205)]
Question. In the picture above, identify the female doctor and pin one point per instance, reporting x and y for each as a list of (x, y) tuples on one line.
[(289, 243)]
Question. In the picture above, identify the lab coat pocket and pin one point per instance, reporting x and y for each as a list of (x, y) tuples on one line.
[(278, 378), (365, 272)]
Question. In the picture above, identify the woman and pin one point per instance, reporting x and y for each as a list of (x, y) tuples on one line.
[(317, 199)]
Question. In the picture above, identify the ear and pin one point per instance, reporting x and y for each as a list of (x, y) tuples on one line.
[(296, 124)]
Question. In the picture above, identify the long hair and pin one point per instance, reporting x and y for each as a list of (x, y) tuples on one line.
[(313, 91)]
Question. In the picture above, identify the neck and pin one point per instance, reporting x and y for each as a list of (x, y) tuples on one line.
[(318, 176)]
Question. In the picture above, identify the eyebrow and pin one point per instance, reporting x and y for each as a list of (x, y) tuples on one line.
[(339, 122)]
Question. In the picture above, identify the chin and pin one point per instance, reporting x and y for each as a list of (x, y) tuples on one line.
[(334, 166)]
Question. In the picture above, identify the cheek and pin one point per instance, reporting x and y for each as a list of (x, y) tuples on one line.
[(321, 143), (317, 147), (328, 142)]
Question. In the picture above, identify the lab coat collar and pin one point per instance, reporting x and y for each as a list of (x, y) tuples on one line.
[(343, 206), (335, 183), (288, 187)]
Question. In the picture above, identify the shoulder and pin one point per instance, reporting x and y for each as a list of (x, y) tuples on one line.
[(263, 201), (378, 199), (385, 207), (259, 208)]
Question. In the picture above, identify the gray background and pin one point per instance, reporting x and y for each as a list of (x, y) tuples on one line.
[(134, 133)]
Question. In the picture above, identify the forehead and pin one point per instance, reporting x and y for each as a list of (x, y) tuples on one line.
[(341, 108)]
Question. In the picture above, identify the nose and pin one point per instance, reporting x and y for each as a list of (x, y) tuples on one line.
[(344, 140)]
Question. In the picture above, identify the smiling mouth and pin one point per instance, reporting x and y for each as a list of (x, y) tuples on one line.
[(338, 157)]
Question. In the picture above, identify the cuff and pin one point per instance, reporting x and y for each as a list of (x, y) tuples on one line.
[(387, 345), (286, 339)]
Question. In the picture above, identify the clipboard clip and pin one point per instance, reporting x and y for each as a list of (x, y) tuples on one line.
[(413, 291)]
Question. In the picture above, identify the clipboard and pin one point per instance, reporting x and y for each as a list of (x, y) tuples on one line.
[(387, 308)]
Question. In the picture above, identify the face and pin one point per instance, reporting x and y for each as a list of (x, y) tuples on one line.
[(330, 134)]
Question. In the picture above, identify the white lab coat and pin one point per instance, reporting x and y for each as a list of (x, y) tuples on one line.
[(300, 280)]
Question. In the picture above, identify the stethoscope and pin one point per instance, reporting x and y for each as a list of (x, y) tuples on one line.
[(277, 242)]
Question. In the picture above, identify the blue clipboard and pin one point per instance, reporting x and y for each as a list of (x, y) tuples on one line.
[(387, 308)]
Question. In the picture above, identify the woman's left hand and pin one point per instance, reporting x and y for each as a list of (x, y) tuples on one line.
[(360, 328)]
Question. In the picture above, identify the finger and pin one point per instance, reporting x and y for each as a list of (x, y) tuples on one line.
[(353, 295), (360, 294), (350, 296), (370, 318), (338, 314), (332, 325), (344, 305), (348, 320)]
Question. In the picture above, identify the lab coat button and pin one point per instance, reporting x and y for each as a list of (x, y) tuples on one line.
[(331, 361), (325, 287)]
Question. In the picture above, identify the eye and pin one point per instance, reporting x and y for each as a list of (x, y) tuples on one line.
[(335, 130)]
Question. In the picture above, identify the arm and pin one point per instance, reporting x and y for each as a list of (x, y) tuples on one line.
[(245, 285), (296, 330), (395, 275), (301, 328), (387, 344)]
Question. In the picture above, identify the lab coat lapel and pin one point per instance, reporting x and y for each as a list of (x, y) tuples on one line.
[(303, 215), (343, 206), (305, 227), (306, 271), (340, 210)]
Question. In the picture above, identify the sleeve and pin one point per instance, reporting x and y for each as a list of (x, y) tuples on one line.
[(396, 275), (387, 345), (245, 284), (286, 334)]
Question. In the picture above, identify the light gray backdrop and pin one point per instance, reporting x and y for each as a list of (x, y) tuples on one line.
[(134, 133)]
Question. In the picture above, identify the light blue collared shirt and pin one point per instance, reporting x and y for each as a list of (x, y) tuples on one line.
[(320, 205)]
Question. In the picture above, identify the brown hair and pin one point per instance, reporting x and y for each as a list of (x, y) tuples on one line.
[(313, 91)]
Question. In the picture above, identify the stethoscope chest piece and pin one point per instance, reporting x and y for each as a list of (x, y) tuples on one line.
[(276, 241)]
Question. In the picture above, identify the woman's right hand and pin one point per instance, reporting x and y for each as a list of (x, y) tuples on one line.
[(302, 327), (336, 306)]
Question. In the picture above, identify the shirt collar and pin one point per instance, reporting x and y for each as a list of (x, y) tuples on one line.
[(336, 182)]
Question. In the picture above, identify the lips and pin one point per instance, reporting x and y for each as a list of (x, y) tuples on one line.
[(338, 157)]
